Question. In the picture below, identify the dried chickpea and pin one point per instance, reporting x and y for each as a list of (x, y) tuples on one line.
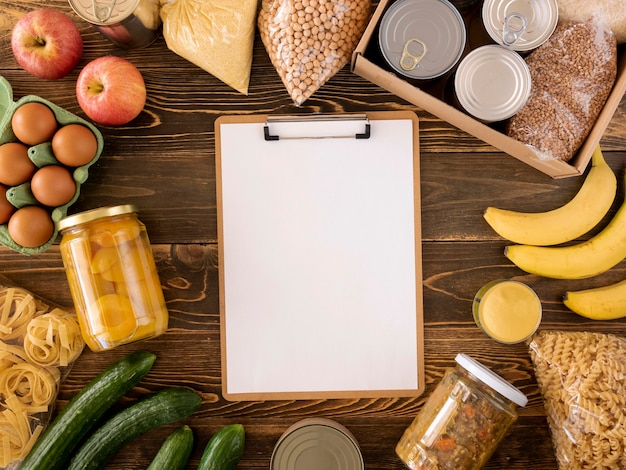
[(308, 41)]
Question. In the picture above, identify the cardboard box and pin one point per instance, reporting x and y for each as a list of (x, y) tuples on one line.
[(369, 64)]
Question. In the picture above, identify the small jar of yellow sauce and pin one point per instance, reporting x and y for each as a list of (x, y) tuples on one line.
[(463, 421), (508, 311), (112, 277)]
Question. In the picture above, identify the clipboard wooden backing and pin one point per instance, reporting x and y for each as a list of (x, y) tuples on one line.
[(320, 258)]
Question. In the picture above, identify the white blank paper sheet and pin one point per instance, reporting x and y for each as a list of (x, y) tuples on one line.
[(320, 260)]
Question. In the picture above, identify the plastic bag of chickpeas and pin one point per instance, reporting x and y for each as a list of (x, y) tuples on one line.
[(309, 41), (215, 35)]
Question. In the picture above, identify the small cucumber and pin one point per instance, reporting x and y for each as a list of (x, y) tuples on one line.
[(163, 407), (175, 451), (224, 449), (55, 446)]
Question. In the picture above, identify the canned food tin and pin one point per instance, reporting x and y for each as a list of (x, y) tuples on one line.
[(126, 23), (492, 83), (521, 25), (507, 311), (463, 421), (422, 39), (112, 277), (317, 443)]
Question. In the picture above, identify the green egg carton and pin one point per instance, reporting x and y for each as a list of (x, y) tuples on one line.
[(41, 155)]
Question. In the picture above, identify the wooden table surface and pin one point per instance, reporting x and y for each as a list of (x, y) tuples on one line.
[(164, 161)]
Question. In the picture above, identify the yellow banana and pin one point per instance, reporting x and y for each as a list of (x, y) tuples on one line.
[(568, 222), (586, 259), (601, 303)]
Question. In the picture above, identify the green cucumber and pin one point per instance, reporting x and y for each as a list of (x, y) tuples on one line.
[(175, 451), (54, 447), (224, 449), (163, 407)]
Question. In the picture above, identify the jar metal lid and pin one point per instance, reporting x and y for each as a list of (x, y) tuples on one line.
[(492, 83), (422, 39), (93, 214), (491, 379), (316, 443), (521, 25)]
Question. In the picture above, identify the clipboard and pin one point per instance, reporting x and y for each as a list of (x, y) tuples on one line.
[(320, 273)]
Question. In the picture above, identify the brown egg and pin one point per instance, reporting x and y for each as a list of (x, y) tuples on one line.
[(74, 145), (53, 185), (15, 166), (6, 208), (33, 123), (31, 226)]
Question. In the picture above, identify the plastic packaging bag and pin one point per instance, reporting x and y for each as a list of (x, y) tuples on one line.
[(572, 76), (39, 343), (611, 11), (582, 378), (215, 35), (309, 41)]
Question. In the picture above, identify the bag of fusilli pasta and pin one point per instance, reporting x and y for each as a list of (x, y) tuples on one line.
[(39, 342), (582, 378)]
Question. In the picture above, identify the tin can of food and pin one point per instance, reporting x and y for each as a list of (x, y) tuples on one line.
[(506, 310), (112, 277), (127, 23), (316, 443), (463, 421), (521, 25), (422, 39), (492, 83)]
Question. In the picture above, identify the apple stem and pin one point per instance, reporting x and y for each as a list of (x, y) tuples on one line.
[(95, 89), (39, 40)]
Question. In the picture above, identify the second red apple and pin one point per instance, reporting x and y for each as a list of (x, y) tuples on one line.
[(111, 91)]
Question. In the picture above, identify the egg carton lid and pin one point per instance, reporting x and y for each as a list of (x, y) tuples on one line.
[(40, 155)]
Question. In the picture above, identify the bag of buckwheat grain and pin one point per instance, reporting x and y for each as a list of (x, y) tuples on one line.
[(215, 35), (572, 76), (612, 11), (309, 41)]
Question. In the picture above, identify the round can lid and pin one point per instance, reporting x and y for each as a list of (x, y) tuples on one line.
[(491, 379), (492, 83), (313, 444), (104, 12), (422, 39), (93, 214), (520, 24)]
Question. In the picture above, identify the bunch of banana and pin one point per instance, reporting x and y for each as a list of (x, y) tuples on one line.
[(565, 223), (601, 303), (587, 259)]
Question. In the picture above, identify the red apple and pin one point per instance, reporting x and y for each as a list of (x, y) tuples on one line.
[(46, 43), (111, 91)]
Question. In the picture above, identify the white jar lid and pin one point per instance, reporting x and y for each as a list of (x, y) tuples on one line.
[(492, 379)]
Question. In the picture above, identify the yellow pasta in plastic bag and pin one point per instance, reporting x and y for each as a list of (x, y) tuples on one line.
[(215, 35)]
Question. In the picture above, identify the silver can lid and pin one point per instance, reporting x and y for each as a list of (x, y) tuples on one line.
[(492, 83), (104, 12), (316, 443), (521, 25), (422, 39)]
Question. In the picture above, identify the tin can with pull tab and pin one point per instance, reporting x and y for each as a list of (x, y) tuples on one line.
[(128, 24), (422, 39), (521, 25)]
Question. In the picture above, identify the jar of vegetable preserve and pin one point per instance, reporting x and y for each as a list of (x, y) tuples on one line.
[(112, 277), (463, 421)]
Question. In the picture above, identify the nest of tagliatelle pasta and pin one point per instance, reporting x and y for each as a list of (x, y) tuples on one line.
[(582, 378), (39, 342)]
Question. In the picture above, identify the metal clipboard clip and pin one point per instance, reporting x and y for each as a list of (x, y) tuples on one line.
[(357, 127)]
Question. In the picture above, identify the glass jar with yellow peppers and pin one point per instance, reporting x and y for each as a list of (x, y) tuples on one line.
[(112, 277)]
